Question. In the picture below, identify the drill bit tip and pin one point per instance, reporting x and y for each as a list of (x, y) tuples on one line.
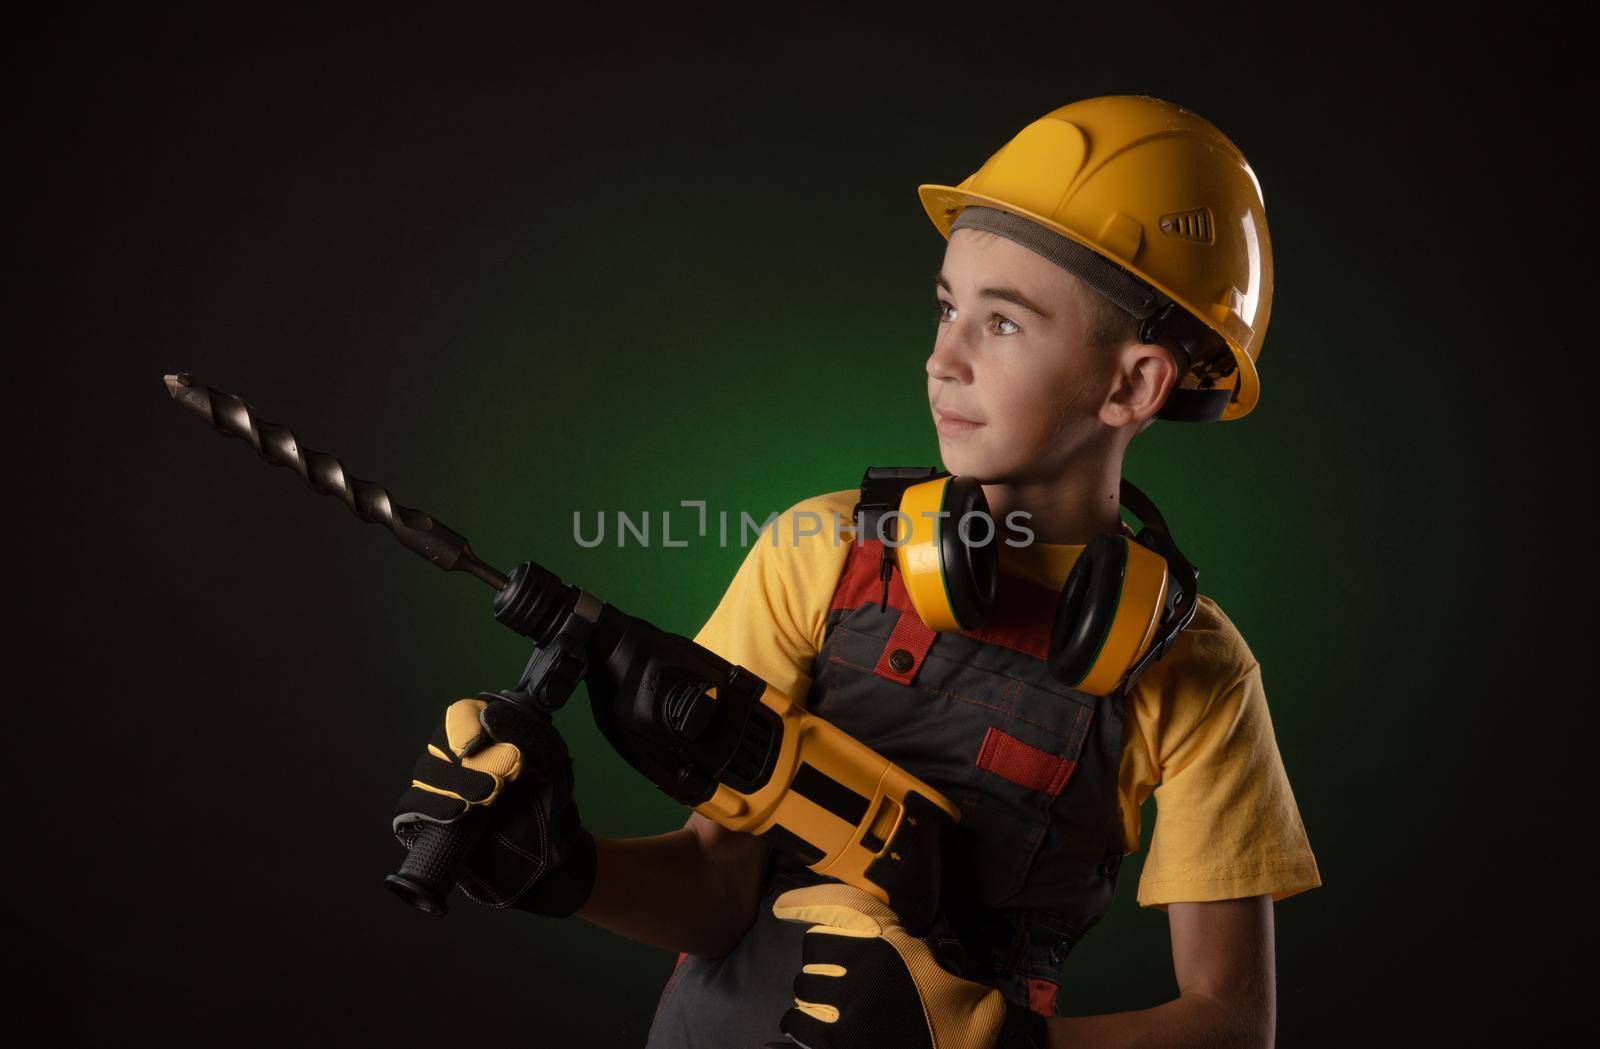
[(177, 382)]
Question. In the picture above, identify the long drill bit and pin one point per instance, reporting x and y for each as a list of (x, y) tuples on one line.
[(415, 530)]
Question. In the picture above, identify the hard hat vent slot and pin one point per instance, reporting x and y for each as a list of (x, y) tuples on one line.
[(1194, 224)]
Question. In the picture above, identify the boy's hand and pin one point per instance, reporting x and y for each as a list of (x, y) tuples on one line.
[(866, 982), (507, 757)]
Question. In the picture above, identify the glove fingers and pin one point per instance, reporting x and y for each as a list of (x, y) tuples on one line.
[(838, 909), (503, 761), (877, 1002), (810, 1030), (816, 988), (535, 735), (829, 919), (497, 752), (512, 721), (820, 947), (825, 959), (469, 785), (440, 807), (462, 725)]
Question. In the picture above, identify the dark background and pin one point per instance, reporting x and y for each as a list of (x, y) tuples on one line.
[(518, 266)]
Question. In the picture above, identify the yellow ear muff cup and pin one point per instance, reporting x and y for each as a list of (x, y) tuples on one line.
[(1109, 609), (952, 584)]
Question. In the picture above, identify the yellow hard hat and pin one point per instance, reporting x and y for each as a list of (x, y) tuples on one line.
[(1159, 192)]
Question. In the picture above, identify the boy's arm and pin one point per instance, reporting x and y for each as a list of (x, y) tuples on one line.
[(1228, 841), (693, 890), (696, 889), (1222, 955)]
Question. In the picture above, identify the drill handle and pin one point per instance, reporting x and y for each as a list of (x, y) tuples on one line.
[(437, 856), (435, 860), (439, 853)]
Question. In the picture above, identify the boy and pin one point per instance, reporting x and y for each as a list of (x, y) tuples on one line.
[(1109, 265)]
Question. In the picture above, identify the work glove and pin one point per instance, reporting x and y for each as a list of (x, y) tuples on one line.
[(865, 982), (492, 753)]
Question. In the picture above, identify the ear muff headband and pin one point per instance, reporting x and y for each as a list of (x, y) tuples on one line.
[(952, 584)]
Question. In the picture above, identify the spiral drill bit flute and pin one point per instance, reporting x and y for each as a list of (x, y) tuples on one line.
[(707, 733), (415, 530)]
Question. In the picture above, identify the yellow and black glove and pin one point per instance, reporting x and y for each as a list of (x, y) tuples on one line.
[(507, 758), (866, 982)]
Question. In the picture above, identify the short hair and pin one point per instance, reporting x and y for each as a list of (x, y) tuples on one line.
[(1106, 325)]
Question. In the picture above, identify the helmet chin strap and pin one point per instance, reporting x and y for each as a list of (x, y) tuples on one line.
[(1172, 327), (1151, 333), (1150, 329)]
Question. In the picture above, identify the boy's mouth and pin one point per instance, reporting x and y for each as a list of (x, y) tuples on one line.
[(951, 423)]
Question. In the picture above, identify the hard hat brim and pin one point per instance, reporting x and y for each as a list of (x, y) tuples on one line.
[(943, 202)]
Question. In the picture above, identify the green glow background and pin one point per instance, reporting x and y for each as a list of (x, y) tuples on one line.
[(519, 270)]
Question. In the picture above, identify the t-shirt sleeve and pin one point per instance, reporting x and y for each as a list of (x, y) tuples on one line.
[(772, 618), (1227, 825)]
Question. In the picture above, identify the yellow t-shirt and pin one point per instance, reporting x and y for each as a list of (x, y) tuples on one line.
[(1197, 734)]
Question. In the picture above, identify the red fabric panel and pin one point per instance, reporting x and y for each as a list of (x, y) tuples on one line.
[(1024, 611), (858, 583), (1042, 997), (1027, 766), (1024, 615), (912, 635)]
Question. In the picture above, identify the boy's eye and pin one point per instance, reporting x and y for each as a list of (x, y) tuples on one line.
[(946, 312)]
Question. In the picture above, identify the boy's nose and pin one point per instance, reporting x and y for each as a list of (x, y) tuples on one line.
[(949, 358)]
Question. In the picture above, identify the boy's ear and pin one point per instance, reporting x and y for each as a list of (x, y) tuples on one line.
[(1143, 375)]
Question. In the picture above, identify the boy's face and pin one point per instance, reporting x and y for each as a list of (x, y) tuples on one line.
[(1010, 356)]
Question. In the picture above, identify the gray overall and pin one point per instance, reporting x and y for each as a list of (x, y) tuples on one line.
[(1031, 764)]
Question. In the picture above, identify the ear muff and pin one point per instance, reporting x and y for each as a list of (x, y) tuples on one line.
[(952, 583), (1110, 608)]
